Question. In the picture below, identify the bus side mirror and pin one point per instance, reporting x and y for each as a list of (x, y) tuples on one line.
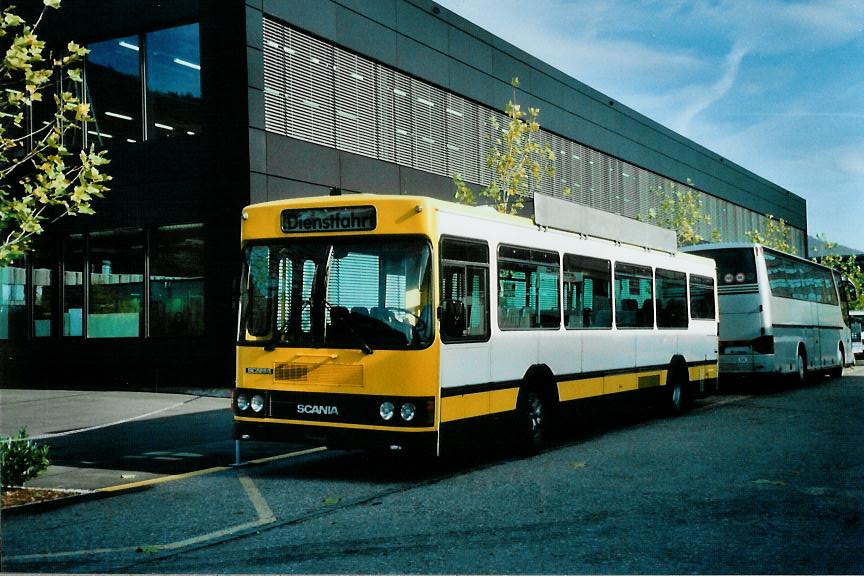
[(851, 290), (453, 318)]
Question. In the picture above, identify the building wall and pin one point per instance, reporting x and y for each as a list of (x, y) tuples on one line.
[(237, 159), (194, 182), (442, 50)]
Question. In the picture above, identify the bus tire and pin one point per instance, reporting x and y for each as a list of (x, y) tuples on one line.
[(800, 374), (534, 419), (837, 371), (677, 391)]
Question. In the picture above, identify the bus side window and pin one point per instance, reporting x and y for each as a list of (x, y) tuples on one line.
[(587, 289), (671, 288), (701, 297), (465, 279), (634, 296), (528, 290)]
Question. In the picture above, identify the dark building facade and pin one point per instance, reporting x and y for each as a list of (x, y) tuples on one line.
[(206, 106)]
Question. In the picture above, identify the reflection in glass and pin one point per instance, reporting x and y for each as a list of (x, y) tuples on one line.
[(43, 292), (73, 285), (177, 281), (116, 273), (113, 81), (13, 302), (346, 293), (173, 82)]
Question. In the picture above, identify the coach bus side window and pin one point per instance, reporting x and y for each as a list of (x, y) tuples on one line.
[(701, 297), (587, 291), (671, 287), (465, 278), (528, 293), (634, 297)]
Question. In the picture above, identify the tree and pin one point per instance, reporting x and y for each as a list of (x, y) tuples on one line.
[(776, 235), (41, 180), (846, 267), (681, 211), (517, 159)]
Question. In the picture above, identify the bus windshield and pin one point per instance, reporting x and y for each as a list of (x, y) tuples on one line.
[(365, 293), (734, 265)]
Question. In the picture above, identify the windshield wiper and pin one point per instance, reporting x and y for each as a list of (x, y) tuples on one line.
[(279, 333), (342, 316)]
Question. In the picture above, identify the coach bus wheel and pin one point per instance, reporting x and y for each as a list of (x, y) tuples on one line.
[(837, 372), (533, 413), (801, 369)]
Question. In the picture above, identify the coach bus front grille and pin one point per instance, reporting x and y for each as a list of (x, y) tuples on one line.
[(318, 374)]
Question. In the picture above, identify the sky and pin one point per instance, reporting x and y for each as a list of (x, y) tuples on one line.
[(777, 87)]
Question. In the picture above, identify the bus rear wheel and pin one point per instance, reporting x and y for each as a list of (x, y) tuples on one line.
[(837, 371), (800, 373), (677, 398), (534, 415)]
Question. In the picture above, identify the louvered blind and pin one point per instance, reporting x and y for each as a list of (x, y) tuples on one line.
[(320, 93)]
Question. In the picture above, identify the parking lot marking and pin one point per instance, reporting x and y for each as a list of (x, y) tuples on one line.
[(262, 509), (173, 477), (162, 479), (258, 501)]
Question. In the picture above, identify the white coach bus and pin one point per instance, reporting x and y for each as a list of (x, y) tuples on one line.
[(390, 321), (779, 314)]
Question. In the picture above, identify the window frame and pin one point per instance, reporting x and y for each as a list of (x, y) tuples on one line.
[(636, 268), (536, 257), (582, 259), (667, 274), (690, 280), (442, 261)]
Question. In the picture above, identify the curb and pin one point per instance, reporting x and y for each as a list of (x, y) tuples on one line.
[(46, 505)]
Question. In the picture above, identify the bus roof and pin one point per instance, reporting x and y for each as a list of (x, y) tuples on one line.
[(614, 227)]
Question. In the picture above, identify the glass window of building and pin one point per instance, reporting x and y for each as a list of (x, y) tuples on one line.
[(13, 301), (43, 291), (177, 280), (173, 82), (114, 86), (73, 285), (116, 274)]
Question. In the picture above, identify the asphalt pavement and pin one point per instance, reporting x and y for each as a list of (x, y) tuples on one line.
[(106, 441), (756, 481)]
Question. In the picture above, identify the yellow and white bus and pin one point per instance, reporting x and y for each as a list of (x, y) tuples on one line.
[(388, 321)]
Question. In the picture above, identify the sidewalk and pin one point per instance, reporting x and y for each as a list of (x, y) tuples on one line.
[(102, 440)]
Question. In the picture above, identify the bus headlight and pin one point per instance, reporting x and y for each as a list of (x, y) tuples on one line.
[(387, 410), (242, 402), (407, 411), (257, 403)]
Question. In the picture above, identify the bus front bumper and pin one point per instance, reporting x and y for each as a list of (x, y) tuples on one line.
[(333, 437)]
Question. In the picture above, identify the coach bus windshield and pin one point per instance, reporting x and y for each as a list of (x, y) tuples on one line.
[(367, 293)]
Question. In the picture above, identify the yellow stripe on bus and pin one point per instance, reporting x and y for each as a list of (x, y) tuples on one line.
[(478, 404)]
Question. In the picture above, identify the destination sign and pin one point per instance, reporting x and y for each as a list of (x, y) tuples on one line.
[(341, 219)]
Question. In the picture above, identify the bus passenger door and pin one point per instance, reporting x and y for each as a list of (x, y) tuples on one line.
[(465, 333)]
